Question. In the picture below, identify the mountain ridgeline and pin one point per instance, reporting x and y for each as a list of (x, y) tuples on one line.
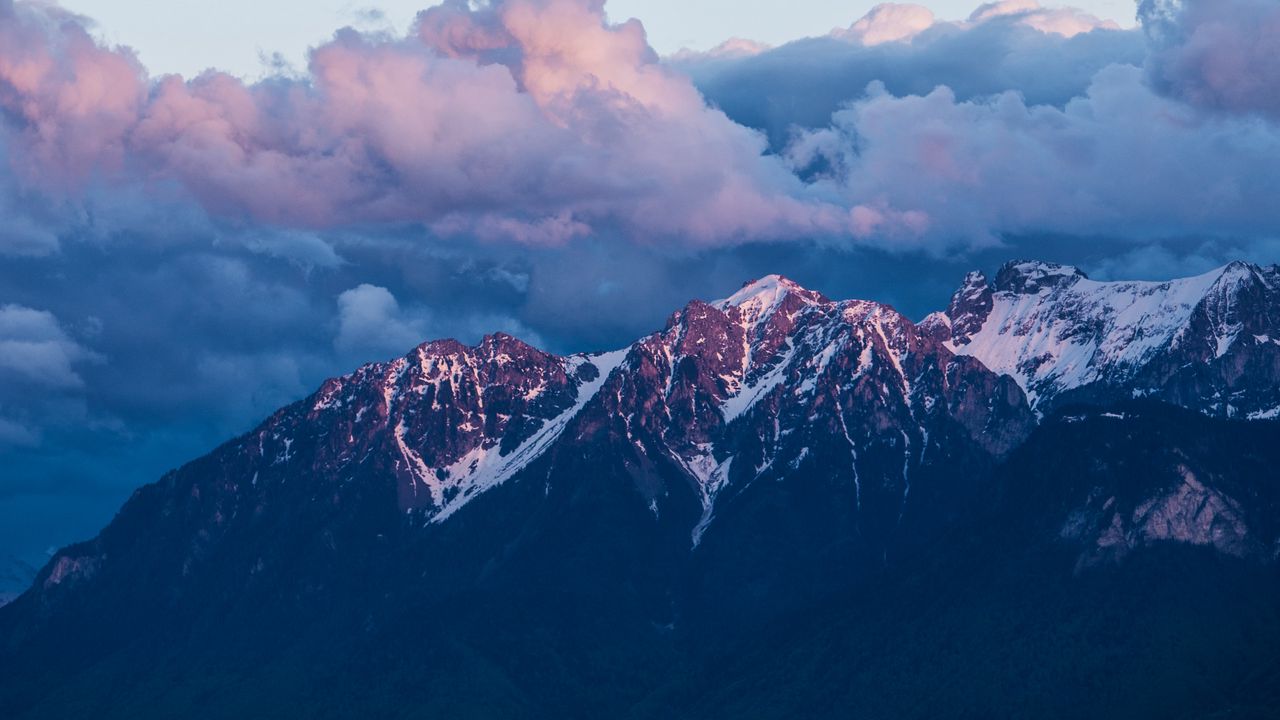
[(779, 505)]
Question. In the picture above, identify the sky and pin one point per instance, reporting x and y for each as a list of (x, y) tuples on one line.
[(180, 255)]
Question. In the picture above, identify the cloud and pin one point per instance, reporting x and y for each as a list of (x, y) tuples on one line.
[(14, 434), (533, 120), (23, 237), (889, 22), (537, 122), (1120, 160), (305, 249), (68, 100), (903, 22), (372, 324), (40, 381), (1049, 56), (731, 49), (370, 320), (35, 349), (1064, 21), (1217, 54)]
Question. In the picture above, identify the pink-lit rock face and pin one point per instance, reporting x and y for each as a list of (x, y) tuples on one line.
[(1187, 512), (69, 570), (767, 400), (776, 384), (443, 421)]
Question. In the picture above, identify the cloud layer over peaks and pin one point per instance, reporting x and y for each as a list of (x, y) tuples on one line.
[(539, 122), (1025, 119)]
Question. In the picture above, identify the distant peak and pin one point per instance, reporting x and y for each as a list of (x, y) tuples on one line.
[(500, 339), (769, 282), (1032, 276), (768, 292), (489, 345), (1239, 268)]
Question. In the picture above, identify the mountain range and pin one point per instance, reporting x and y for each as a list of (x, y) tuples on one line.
[(1056, 498)]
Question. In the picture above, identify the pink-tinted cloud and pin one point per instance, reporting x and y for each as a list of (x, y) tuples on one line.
[(533, 119), (540, 122), (71, 100), (903, 22), (1064, 21), (889, 22)]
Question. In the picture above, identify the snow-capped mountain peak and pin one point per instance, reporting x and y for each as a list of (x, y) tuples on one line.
[(1057, 332), (759, 299), (767, 291)]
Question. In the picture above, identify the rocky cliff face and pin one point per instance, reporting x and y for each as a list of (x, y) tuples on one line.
[(778, 383), (1110, 483)]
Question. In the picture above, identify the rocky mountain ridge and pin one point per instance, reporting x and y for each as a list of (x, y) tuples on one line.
[(752, 459), (776, 381)]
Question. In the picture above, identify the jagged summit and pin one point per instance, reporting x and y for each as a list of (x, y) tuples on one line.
[(769, 283), (1030, 276), (759, 299), (461, 420)]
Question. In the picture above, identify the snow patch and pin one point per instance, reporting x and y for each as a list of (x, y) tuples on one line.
[(711, 477), (739, 404), (485, 468), (1065, 337)]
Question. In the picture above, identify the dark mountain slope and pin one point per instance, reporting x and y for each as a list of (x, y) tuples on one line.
[(1002, 618)]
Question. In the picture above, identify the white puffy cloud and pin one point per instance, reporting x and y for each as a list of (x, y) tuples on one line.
[(889, 22), (372, 324), (902, 22), (370, 320), (1064, 21)]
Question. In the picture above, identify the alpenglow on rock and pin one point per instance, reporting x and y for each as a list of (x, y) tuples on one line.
[(514, 522), (775, 384)]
